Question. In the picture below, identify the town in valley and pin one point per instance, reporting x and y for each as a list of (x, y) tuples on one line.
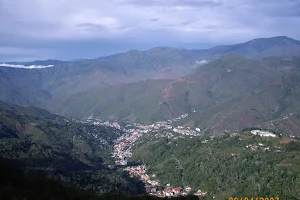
[(123, 147)]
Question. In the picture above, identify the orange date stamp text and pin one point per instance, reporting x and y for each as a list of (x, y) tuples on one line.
[(253, 198)]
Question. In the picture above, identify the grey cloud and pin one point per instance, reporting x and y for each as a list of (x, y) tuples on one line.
[(198, 3), (186, 22), (283, 8), (192, 3), (76, 28), (91, 26)]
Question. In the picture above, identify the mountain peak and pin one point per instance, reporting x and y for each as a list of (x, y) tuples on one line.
[(282, 37), (258, 48), (272, 40)]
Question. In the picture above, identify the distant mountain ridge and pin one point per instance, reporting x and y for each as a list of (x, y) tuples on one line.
[(257, 48), (253, 49), (179, 81)]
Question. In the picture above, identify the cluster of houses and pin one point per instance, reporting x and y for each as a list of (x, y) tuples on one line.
[(140, 171), (169, 191), (161, 125), (154, 188), (123, 147), (98, 122), (135, 128), (107, 123), (263, 133), (164, 126), (187, 131), (178, 118), (262, 147), (211, 138), (257, 147)]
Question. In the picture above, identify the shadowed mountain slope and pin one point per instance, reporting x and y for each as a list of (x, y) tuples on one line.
[(71, 151)]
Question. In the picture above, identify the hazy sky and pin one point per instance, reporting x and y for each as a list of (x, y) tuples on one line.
[(68, 29)]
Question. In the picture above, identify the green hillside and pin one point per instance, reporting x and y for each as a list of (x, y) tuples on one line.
[(217, 82), (275, 100), (52, 134), (138, 101), (226, 165), (62, 149)]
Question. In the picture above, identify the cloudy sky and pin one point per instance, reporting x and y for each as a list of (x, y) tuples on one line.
[(69, 29)]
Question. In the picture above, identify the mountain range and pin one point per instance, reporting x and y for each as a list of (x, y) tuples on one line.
[(234, 92), (224, 88)]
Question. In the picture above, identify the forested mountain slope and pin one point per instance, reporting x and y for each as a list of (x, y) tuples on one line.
[(63, 149), (228, 94), (232, 165)]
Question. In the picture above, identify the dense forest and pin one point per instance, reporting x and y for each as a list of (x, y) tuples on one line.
[(240, 164), (62, 149), (15, 184), (44, 137)]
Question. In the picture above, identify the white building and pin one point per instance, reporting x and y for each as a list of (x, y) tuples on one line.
[(263, 133)]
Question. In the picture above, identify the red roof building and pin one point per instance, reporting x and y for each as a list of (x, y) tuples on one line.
[(177, 190)]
